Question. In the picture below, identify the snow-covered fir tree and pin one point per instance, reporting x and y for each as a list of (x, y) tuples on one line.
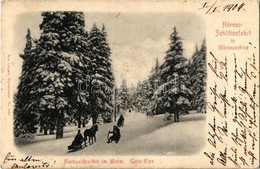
[(173, 94), (154, 79), (123, 96), (136, 98), (101, 75), (109, 80), (61, 32), (75, 52), (25, 117), (56, 73), (145, 92), (198, 73)]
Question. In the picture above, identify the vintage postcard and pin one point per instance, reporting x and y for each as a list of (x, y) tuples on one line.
[(129, 84)]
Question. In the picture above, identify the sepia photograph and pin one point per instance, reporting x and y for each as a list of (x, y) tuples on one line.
[(129, 84), (110, 83)]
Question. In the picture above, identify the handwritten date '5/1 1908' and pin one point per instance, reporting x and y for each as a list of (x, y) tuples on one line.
[(213, 7)]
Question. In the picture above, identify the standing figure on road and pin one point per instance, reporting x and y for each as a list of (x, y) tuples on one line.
[(121, 121)]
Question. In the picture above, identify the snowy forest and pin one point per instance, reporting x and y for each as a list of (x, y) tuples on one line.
[(59, 70), (176, 86), (67, 80)]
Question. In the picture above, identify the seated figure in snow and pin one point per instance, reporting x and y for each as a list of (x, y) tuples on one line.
[(115, 135), (77, 142)]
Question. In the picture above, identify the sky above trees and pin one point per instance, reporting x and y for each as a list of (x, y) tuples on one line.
[(136, 39)]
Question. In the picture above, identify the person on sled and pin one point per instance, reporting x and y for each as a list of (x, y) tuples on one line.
[(115, 135), (78, 139)]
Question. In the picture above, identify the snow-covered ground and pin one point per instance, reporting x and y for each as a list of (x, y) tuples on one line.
[(139, 136)]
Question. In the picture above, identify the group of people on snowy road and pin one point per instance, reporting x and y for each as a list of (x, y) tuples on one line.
[(90, 134), (116, 135)]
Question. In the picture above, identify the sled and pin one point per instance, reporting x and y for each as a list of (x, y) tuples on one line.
[(73, 148)]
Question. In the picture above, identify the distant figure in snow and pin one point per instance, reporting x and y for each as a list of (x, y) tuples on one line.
[(116, 135), (120, 122), (149, 114), (78, 139), (94, 117), (100, 119), (167, 116)]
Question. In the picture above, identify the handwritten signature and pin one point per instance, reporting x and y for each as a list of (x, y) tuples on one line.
[(26, 162)]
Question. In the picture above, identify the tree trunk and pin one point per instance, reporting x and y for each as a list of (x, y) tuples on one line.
[(176, 116), (115, 110), (45, 131), (79, 121), (60, 121), (84, 122), (93, 121), (41, 129)]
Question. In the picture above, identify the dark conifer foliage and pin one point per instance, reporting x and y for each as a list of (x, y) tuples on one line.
[(67, 77), (173, 93), (176, 86), (123, 96), (168, 87), (25, 119), (198, 74), (102, 78)]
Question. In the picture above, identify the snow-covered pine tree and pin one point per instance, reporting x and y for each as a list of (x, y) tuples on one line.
[(123, 95), (25, 117), (101, 76), (55, 75), (144, 95), (136, 98), (146, 92), (153, 79), (81, 95), (109, 83), (198, 75), (191, 73), (75, 52), (154, 82), (68, 27), (156, 64), (173, 94)]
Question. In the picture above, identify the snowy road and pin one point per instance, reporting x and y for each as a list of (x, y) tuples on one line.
[(139, 136)]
